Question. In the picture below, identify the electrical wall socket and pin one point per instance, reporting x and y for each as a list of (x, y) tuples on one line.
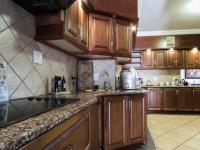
[(37, 57)]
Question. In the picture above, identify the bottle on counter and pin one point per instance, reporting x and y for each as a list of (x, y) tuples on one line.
[(63, 84)]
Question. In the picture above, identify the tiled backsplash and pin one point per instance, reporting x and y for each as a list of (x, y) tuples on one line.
[(17, 29), (156, 76)]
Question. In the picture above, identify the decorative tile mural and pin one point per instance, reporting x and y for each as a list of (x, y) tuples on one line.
[(96, 72), (85, 75), (17, 30)]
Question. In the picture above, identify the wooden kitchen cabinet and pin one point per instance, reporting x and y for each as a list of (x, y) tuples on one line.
[(180, 59), (124, 38), (196, 99), (76, 23), (171, 58), (192, 59), (101, 38), (80, 132), (169, 100), (115, 115), (137, 119), (148, 59), (84, 25), (175, 59), (184, 99), (72, 21), (154, 99), (124, 121), (127, 8), (159, 59)]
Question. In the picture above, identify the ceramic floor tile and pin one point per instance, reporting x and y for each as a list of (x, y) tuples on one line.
[(165, 144), (184, 147), (193, 143), (185, 131), (168, 126), (155, 131), (176, 137)]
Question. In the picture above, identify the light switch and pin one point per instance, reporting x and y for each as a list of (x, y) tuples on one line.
[(37, 57)]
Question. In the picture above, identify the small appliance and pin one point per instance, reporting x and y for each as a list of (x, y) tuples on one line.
[(128, 79)]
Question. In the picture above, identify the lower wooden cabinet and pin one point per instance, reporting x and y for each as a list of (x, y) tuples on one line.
[(169, 99), (154, 99), (124, 121), (79, 132), (185, 99), (174, 99), (196, 99)]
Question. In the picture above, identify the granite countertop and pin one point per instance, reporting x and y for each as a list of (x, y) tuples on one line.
[(16, 135), (181, 86)]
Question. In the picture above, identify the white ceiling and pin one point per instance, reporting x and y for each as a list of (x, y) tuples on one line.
[(169, 17)]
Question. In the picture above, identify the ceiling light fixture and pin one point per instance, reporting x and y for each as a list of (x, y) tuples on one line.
[(193, 6), (195, 50)]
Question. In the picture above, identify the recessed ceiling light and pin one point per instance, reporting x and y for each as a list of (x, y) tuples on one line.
[(193, 6)]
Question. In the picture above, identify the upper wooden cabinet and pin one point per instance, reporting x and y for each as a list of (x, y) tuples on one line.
[(180, 59), (148, 59), (124, 37), (159, 58), (101, 33), (76, 23), (72, 20), (80, 32), (192, 58), (175, 59), (120, 8)]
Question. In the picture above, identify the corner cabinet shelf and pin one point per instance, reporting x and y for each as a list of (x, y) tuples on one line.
[(136, 60)]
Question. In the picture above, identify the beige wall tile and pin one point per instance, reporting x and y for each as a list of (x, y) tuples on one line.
[(11, 12), (3, 24), (21, 91), (9, 46), (33, 81), (21, 65)]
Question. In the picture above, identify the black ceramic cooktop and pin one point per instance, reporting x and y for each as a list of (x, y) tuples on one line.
[(16, 110)]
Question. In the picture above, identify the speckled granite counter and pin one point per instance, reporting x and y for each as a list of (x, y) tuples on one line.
[(157, 86), (16, 135)]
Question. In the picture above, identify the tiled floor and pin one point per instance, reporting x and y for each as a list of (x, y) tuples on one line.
[(174, 132)]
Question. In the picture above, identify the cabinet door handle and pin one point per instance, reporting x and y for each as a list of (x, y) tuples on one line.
[(69, 147), (111, 43), (193, 92), (130, 105), (126, 105)]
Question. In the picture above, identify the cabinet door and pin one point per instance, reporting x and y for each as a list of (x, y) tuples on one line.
[(159, 57), (180, 59), (148, 59), (84, 18), (154, 102), (77, 137), (185, 101), (115, 115), (192, 58), (101, 33), (196, 99), (123, 37), (137, 119), (72, 21), (171, 58), (169, 99)]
